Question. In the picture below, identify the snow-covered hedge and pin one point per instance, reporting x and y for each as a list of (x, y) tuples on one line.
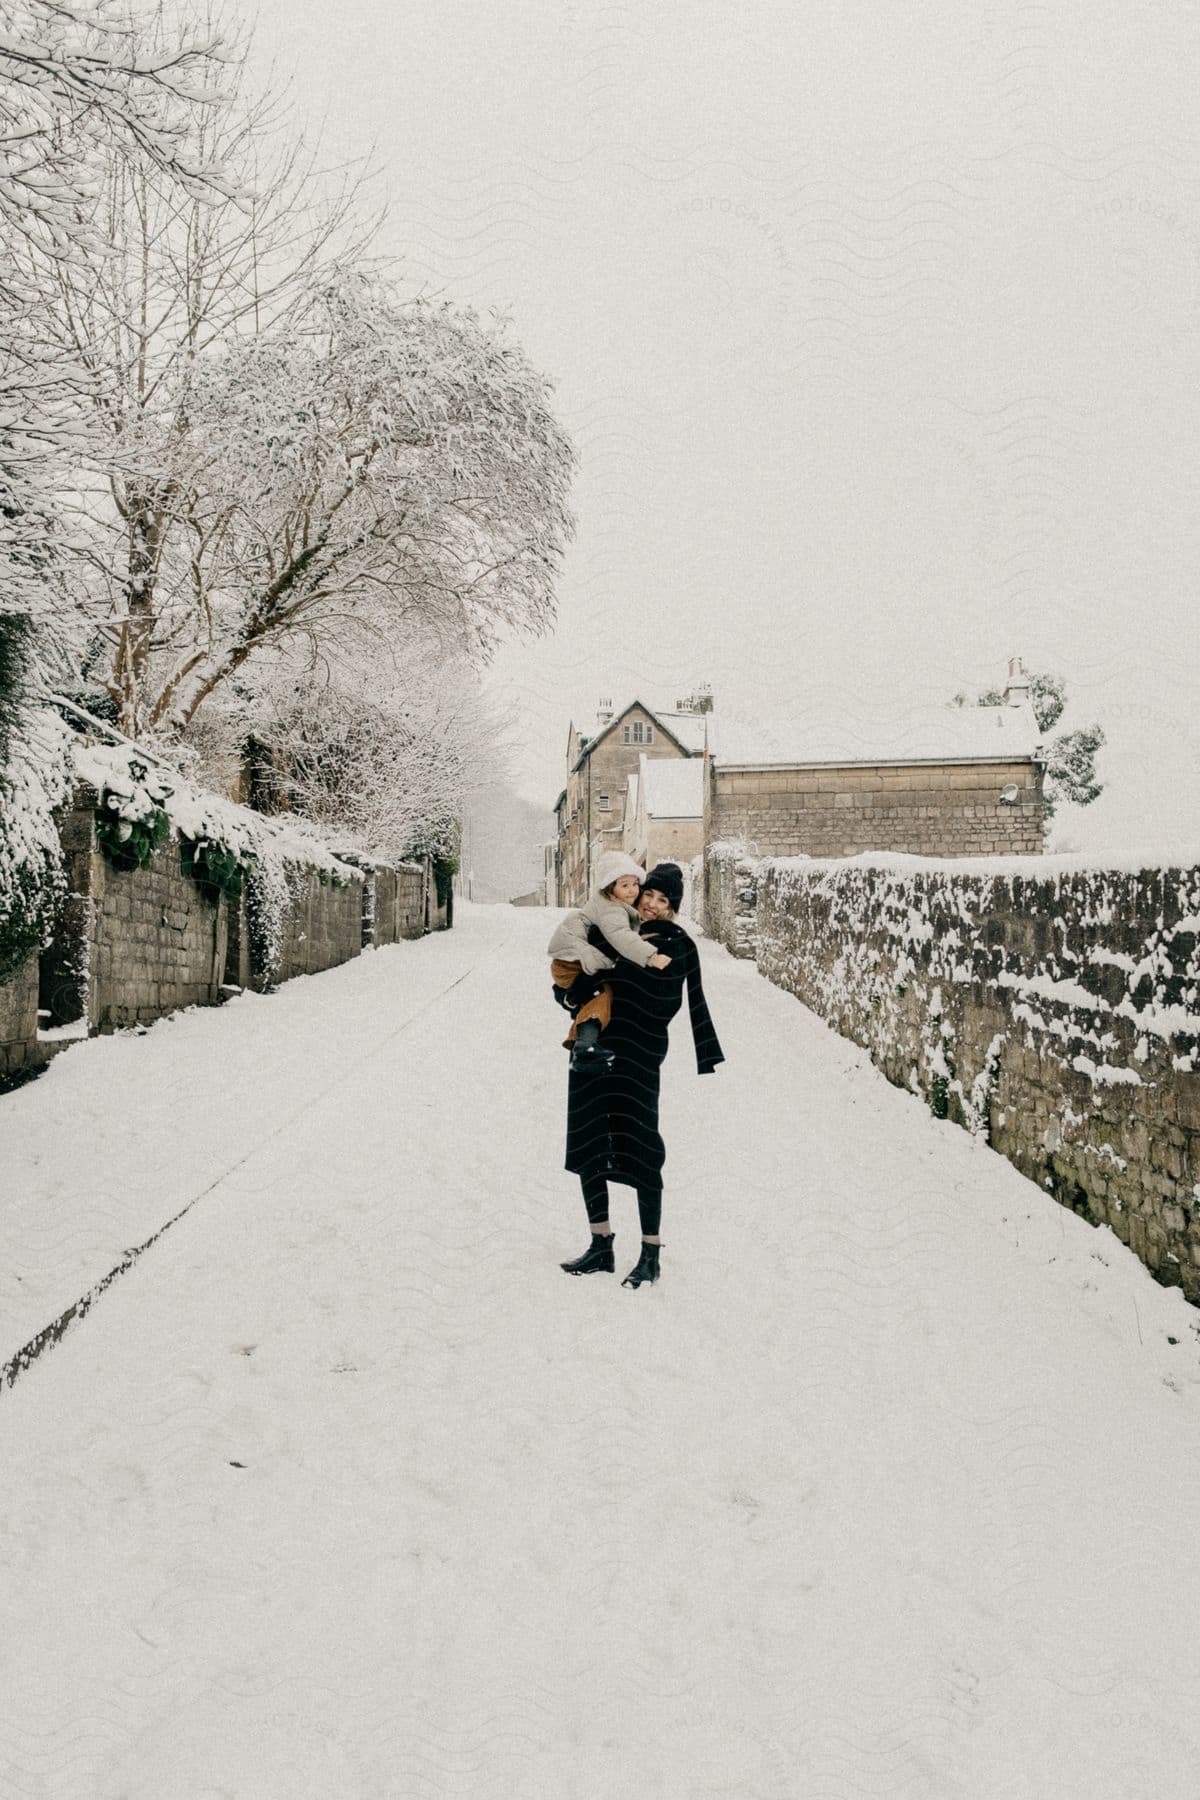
[(33, 781)]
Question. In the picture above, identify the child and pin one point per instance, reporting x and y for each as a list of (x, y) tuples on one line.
[(618, 883)]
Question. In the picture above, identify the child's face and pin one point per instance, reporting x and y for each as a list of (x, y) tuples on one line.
[(626, 890)]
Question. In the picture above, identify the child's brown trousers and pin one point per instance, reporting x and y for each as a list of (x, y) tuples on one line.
[(563, 975)]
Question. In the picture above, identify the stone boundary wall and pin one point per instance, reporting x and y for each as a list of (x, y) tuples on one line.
[(132, 946), (1054, 1011), (397, 903), (932, 809), (729, 896), (151, 942), (321, 927), (19, 1019)]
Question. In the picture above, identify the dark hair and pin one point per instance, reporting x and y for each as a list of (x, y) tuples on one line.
[(666, 878)]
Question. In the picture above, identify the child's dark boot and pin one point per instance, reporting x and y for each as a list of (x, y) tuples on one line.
[(589, 1052)]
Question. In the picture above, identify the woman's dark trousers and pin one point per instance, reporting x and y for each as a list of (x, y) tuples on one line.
[(595, 1198)]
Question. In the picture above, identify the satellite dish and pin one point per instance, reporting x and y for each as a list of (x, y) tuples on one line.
[(1009, 794)]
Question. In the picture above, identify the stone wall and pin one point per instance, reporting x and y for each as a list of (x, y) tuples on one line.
[(397, 903), (1054, 1010), (931, 809), (153, 942), (131, 946), (729, 896), (322, 927), (19, 1019)]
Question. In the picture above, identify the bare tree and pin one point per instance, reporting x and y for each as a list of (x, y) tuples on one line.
[(79, 83), (376, 464), (382, 750), (181, 279)]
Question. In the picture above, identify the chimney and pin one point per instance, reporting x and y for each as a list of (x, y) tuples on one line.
[(604, 714), (1016, 688)]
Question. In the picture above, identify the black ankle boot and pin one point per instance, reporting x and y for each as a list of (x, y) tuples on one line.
[(589, 1052), (598, 1258), (646, 1267)]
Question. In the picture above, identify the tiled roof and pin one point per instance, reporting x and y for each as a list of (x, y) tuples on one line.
[(687, 728)]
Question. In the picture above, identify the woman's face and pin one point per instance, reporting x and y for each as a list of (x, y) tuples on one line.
[(653, 905)]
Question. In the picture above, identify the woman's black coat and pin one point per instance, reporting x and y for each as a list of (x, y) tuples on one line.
[(612, 1118)]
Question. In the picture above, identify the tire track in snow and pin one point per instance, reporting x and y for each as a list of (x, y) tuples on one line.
[(783, 1523), (53, 1333)]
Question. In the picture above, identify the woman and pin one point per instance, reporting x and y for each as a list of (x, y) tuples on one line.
[(612, 1117)]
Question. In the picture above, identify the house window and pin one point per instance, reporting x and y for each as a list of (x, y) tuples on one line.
[(605, 803), (637, 732), (627, 734), (649, 734)]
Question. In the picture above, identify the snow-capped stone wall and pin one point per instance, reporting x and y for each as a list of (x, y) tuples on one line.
[(130, 944), (1049, 1006), (19, 1019), (728, 896), (152, 942), (397, 903)]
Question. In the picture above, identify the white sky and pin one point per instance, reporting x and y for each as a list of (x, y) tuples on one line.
[(877, 329)]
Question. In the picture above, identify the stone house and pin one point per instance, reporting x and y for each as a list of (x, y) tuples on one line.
[(930, 781), (590, 811), (664, 811)]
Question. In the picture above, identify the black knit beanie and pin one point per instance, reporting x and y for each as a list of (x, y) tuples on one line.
[(667, 878)]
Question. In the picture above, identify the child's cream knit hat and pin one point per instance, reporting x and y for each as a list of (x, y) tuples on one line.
[(612, 864)]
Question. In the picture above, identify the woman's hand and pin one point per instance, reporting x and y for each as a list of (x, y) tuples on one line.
[(659, 961)]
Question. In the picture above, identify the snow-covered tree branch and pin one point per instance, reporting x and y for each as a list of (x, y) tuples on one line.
[(178, 277), (1070, 756), (379, 748), (81, 81), (376, 459)]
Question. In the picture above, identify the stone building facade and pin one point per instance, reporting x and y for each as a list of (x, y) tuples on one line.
[(664, 811), (929, 781), (981, 807), (590, 811)]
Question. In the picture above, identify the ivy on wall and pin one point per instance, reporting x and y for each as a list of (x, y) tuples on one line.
[(131, 819), (445, 868), (216, 868)]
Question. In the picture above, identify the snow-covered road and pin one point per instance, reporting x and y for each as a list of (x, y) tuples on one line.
[(888, 1488)]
